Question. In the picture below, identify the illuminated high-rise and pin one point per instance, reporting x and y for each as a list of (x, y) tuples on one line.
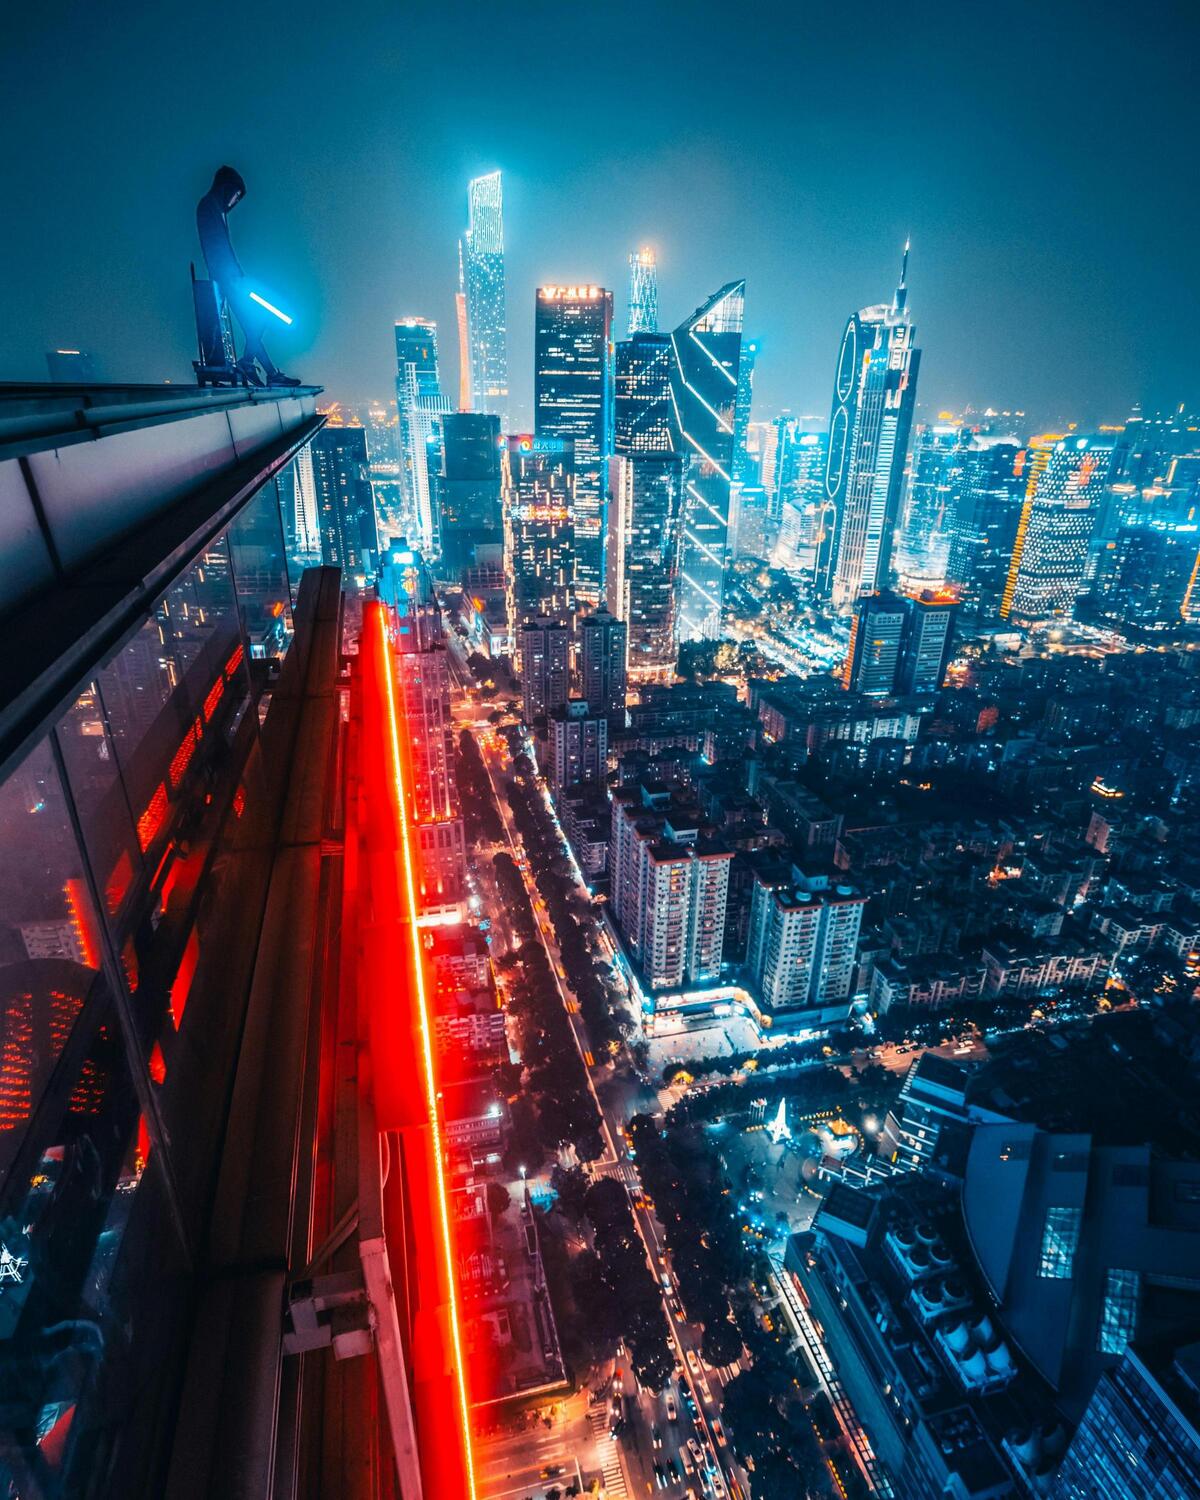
[(705, 359), (643, 292), (602, 640), (745, 471), (482, 307), (875, 390), (419, 403), (645, 508), (983, 523), (406, 586), (538, 489), (1065, 479), (345, 505), (935, 476), (469, 506), (572, 400)]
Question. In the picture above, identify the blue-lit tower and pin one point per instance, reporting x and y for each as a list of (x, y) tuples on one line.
[(573, 400), (643, 292), (705, 359), (482, 300), (874, 393), (419, 404)]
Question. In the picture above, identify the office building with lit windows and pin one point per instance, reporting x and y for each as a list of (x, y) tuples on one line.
[(935, 477), (405, 586), (602, 645), (538, 490), (341, 499), (482, 302), (1085, 1248), (1065, 479), (419, 405), (544, 662), (985, 512), (573, 402), (803, 945), (645, 508), (705, 362), (669, 887), (1140, 1435), (875, 392), (469, 510)]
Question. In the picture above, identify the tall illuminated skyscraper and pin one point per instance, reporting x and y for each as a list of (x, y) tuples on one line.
[(344, 501), (645, 508), (935, 477), (705, 360), (875, 390), (482, 307), (744, 467), (572, 400), (1065, 481), (538, 488), (406, 586), (419, 402), (643, 292)]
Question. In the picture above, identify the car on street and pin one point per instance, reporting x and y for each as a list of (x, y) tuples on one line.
[(718, 1430), (656, 1437), (672, 1407), (696, 1451)]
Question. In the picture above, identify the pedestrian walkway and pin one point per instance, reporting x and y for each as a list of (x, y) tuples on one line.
[(606, 1449)]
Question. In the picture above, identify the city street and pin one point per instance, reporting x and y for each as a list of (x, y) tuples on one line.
[(617, 1099)]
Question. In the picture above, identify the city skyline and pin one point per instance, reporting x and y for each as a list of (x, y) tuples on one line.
[(356, 237)]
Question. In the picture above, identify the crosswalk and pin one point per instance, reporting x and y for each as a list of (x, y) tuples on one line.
[(613, 1476)]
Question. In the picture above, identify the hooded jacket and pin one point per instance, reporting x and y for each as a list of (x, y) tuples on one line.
[(227, 189)]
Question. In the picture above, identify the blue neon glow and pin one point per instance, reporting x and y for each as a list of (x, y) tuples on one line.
[(262, 302)]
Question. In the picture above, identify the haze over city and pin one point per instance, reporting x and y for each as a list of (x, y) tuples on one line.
[(600, 752), (1032, 153)]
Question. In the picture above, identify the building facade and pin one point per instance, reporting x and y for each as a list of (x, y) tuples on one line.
[(482, 299), (544, 663), (669, 887), (345, 504), (573, 401), (705, 360), (803, 943), (470, 513), (538, 488), (875, 392), (602, 641), (419, 404), (1065, 479)]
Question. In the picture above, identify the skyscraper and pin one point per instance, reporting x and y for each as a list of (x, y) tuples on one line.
[(928, 641), (643, 292), (876, 639), (645, 508), (406, 587), (344, 500), (939, 457), (577, 746), (983, 523), (470, 513), (1065, 479), (744, 467), (544, 662), (705, 360), (875, 390), (538, 488), (1140, 1435), (670, 884), (803, 942), (572, 399), (602, 665), (419, 402), (481, 290)]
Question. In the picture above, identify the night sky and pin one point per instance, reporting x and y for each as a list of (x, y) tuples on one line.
[(1041, 155)]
